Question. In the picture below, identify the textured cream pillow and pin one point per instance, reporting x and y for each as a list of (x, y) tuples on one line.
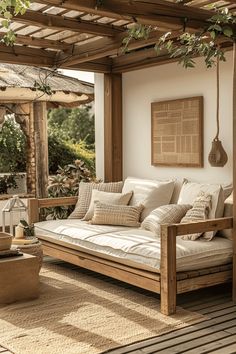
[(190, 191), (165, 214), (85, 194), (107, 198), (150, 193), (199, 212), (110, 214), (228, 211)]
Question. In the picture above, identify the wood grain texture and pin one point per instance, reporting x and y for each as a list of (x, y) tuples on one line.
[(113, 152), (19, 278), (177, 132), (168, 270)]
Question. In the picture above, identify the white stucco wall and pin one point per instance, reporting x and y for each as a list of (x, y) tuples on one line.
[(171, 81)]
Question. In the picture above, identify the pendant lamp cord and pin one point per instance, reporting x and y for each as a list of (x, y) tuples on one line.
[(217, 98)]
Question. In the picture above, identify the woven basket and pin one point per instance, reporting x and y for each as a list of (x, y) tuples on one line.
[(34, 249)]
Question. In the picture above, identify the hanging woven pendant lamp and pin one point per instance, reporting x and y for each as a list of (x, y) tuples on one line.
[(217, 156)]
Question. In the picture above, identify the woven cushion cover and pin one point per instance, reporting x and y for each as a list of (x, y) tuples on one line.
[(199, 212), (108, 214), (108, 198), (166, 214), (85, 194)]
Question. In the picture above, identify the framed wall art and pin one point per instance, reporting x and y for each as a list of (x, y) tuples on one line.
[(177, 132)]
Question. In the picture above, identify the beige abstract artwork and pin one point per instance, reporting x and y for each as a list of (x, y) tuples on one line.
[(177, 132)]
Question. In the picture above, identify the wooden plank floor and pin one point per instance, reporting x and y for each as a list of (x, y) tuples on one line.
[(216, 334)]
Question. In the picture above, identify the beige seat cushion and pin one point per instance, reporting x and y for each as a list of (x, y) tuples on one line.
[(108, 198), (190, 191), (199, 212), (85, 194), (165, 214), (110, 214), (150, 193)]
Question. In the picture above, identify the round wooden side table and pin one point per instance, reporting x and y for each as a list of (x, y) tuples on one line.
[(35, 249)]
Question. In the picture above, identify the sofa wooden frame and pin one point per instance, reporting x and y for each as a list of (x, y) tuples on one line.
[(168, 283)]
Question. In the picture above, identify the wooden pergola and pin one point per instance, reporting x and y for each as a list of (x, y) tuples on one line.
[(87, 35), (29, 105)]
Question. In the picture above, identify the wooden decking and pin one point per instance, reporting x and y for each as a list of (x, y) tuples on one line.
[(217, 334)]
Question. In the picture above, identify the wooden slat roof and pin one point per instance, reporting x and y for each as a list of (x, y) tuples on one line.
[(77, 34)]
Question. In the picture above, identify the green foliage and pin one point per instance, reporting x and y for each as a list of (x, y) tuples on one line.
[(7, 181), (136, 32), (28, 229), (73, 125), (9, 9), (190, 45), (66, 183), (12, 147)]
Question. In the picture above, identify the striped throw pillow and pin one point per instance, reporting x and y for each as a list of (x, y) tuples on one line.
[(199, 212), (165, 214), (85, 195), (122, 215)]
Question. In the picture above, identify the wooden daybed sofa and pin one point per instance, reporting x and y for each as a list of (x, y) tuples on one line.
[(166, 280)]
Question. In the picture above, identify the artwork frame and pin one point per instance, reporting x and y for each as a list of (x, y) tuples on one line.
[(177, 132)]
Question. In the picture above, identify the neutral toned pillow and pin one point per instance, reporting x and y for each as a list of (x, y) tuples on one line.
[(199, 212), (151, 194), (85, 194), (228, 212), (165, 214), (110, 214), (190, 191), (107, 198)]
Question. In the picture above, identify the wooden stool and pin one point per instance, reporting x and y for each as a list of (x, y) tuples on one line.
[(19, 278)]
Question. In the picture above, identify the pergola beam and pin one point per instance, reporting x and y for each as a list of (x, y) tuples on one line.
[(57, 22), (149, 12), (41, 43)]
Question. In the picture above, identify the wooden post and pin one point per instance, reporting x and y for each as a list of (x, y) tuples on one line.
[(33, 210), (168, 269), (25, 117), (234, 174), (113, 127), (41, 148)]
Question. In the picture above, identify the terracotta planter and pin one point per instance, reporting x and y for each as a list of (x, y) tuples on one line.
[(5, 241)]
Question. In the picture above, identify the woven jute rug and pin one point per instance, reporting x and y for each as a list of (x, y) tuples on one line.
[(82, 312)]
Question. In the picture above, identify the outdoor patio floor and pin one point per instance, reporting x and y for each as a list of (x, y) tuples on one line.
[(216, 334)]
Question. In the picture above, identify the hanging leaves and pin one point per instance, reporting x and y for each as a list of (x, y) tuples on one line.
[(9, 9)]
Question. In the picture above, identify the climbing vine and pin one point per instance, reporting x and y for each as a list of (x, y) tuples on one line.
[(9, 9)]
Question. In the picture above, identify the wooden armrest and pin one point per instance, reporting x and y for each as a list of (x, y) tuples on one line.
[(200, 226), (34, 205)]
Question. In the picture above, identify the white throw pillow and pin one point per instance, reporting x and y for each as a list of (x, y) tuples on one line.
[(165, 214), (107, 198), (190, 191), (150, 193)]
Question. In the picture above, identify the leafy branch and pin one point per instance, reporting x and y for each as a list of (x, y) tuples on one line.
[(9, 9), (187, 46)]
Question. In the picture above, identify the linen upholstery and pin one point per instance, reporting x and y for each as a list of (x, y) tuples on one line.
[(199, 212), (190, 191), (135, 247), (228, 212), (165, 214), (106, 197), (109, 214), (150, 193), (85, 194)]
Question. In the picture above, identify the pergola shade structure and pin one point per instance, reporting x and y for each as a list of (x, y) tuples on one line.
[(88, 35), (19, 95)]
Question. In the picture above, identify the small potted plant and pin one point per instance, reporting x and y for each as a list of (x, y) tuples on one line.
[(28, 229)]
